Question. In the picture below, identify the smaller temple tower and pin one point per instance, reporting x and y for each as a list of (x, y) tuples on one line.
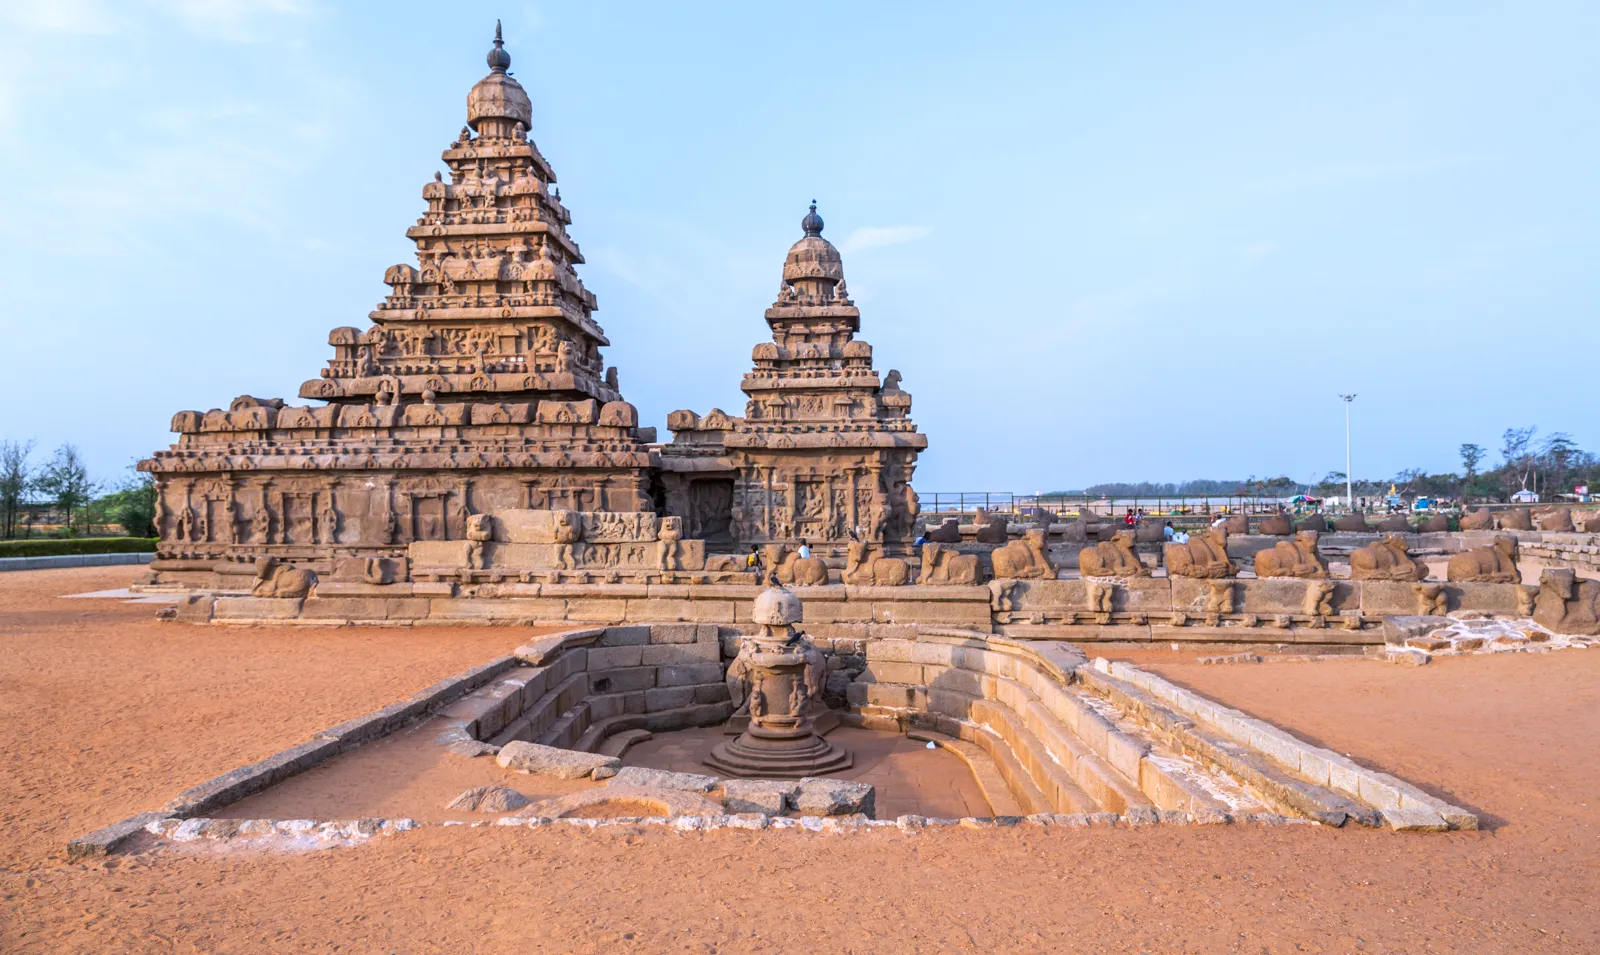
[(825, 450)]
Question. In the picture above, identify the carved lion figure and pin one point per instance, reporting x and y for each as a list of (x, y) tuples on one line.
[(1293, 558), (669, 552), (865, 564), (1495, 564), (1205, 555), (1023, 558), (1388, 559), (941, 565), (279, 580), (1112, 558)]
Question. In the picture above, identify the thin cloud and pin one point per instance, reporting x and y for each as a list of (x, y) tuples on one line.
[(876, 237)]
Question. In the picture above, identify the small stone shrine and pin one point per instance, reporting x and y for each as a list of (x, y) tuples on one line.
[(824, 450), (776, 681)]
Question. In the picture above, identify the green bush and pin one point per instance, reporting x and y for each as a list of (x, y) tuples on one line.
[(77, 545)]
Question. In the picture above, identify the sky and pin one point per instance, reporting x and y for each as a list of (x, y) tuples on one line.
[(1101, 242)]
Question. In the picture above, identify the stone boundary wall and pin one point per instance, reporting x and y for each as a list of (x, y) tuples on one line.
[(1577, 551), (1322, 767), (1142, 609), (72, 560), (1027, 705)]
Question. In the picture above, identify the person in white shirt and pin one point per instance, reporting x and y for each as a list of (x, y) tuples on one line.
[(805, 551)]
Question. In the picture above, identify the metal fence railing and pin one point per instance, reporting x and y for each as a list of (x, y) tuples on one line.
[(1073, 506)]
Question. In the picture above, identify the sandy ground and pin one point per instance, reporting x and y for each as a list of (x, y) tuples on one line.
[(104, 712)]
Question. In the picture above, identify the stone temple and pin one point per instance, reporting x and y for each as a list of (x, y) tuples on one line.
[(479, 388)]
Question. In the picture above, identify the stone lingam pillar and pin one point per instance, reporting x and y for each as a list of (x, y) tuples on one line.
[(781, 674)]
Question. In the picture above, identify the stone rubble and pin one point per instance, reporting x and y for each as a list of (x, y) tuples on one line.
[(538, 760), (488, 799)]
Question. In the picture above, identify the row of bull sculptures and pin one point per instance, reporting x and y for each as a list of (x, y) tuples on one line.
[(1205, 556)]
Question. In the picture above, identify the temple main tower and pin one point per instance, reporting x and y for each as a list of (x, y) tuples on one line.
[(479, 386), (824, 450)]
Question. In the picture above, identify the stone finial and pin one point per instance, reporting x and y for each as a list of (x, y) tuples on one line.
[(812, 223), (776, 607), (499, 59)]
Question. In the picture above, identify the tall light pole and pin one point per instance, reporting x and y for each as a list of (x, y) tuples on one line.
[(1349, 482)]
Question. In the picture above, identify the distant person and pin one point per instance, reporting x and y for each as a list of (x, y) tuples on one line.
[(1221, 521), (752, 562), (1128, 519), (805, 550), (1180, 537), (1169, 532)]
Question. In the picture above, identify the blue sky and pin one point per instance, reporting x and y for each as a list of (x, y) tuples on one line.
[(1101, 242)]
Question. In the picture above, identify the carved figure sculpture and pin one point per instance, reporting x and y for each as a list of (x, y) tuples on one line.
[(790, 568), (1432, 599), (1003, 596), (1495, 564), (1351, 522), (991, 527), (1219, 596), (1567, 604), (1237, 524), (1315, 522), (1395, 523), (1555, 519), (1319, 599), (568, 527), (261, 526), (480, 529), (1293, 558), (1388, 559), (948, 532), (1025, 558), (280, 580), (1481, 519), (669, 550), (1112, 558), (865, 564), (1101, 596), (941, 565), (1205, 556), (1516, 519), (1436, 524), (1278, 525)]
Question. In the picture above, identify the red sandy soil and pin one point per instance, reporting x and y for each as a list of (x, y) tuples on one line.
[(105, 711)]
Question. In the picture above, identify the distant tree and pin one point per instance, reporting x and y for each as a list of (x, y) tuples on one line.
[(1516, 451), (1471, 456), (65, 483), (16, 480), (132, 505)]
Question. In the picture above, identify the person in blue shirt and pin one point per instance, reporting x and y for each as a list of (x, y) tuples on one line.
[(1168, 531)]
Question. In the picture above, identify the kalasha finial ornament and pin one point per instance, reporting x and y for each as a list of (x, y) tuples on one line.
[(499, 59), (812, 223)]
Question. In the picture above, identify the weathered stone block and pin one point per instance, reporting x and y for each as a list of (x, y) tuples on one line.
[(833, 797), (681, 653), (257, 608), (607, 658), (770, 796), (622, 679), (540, 760), (673, 633), (667, 698), (639, 777), (688, 674)]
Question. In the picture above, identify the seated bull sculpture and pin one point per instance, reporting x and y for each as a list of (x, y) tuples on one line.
[(1293, 558), (1278, 525), (1112, 558), (941, 565), (1481, 519), (1566, 604), (790, 568), (1495, 564), (1516, 519), (1388, 559), (866, 565), (1024, 558), (280, 580), (1204, 556)]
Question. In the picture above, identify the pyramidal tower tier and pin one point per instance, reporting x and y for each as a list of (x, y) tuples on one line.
[(825, 450), (478, 386)]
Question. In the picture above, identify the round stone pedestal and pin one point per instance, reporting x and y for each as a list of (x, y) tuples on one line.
[(761, 751)]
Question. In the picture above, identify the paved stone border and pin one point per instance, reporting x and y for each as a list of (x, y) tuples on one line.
[(1401, 805), (73, 560), (300, 834)]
